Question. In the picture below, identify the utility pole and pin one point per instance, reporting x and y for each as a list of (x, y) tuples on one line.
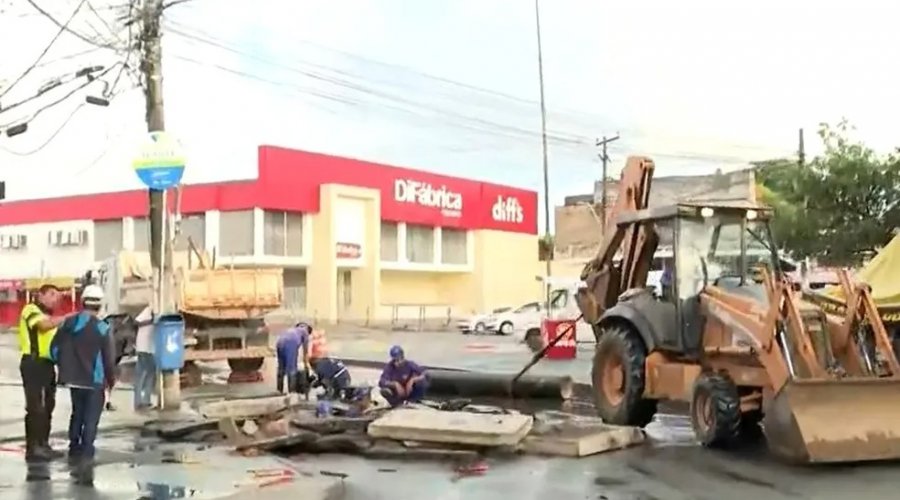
[(801, 152), (160, 242), (604, 158), (547, 240)]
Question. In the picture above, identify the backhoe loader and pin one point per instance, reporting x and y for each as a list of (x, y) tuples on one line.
[(729, 335)]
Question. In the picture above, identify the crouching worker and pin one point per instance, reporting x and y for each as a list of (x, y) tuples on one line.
[(332, 375), (287, 350), (402, 380), (84, 351)]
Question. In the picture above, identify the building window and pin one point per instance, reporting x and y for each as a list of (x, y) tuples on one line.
[(141, 234), (453, 246), (389, 243), (295, 289), (236, 233), (193, 227), (107, 238), (283, 234), (420, 244)]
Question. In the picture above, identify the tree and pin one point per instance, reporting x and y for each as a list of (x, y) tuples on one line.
[(841, 206)]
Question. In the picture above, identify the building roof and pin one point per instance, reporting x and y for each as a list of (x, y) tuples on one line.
[(289, 180)]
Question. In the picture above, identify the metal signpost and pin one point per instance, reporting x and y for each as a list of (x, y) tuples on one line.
[(160, 166)]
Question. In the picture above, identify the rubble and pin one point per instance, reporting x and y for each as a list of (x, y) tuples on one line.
[(449, 430)]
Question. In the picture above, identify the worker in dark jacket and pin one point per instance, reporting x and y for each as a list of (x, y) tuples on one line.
[(84, 351), (402, 380), (332, 375)]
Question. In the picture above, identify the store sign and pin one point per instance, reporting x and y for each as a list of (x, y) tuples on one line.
[(422, 193), (507, 209), (348, 250)]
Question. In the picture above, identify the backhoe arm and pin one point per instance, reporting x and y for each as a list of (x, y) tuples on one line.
[(605, 280)]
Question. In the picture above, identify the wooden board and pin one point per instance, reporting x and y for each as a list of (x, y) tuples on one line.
[(451, 427)]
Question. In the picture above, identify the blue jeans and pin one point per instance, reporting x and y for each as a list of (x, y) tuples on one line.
[(415, 395), (87, 406), (144, 380)]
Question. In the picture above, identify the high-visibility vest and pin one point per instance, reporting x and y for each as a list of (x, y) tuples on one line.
[(318, 346), (31, 342)]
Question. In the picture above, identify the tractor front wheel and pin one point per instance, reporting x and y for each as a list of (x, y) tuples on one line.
[(716, 411), (245, 364), (618, 378)]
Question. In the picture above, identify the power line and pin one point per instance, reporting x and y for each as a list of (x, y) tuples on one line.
[(66, 96), (43, 53), (67, 29)]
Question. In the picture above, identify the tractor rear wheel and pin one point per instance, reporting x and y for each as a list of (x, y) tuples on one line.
[(716, 410), (618, 378)]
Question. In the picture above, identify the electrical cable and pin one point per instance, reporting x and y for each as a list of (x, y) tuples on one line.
[(52, 136), (64, 97), (78, 35), (43, 53)]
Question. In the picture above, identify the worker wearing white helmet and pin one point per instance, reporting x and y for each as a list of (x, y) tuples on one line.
[(85, 355)]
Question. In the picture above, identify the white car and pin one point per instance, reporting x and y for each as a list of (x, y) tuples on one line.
[(477, 323), (505, 323)]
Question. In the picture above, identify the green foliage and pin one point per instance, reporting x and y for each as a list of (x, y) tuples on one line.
[(837, 208)]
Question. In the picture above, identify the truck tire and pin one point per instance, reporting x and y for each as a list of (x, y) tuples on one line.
[(618, 378), (245, 364), (716, 411)]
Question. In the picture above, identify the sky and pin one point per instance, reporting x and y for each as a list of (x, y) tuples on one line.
[(452, 87)]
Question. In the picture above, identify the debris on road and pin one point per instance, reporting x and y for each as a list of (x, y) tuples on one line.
[(564, 434), (447, 430)]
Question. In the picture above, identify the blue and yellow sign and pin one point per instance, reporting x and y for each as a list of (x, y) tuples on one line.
[(160, 162)]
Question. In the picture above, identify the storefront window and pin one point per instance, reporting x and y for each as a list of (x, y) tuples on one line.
[(420, 244), (389, 243), (194, 227), (453, 246), (141, 235), (107, 238), (283, 233), (236, 233)]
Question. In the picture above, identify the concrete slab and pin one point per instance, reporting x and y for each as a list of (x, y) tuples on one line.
[(245, 408), (567, 435), (429, 425)]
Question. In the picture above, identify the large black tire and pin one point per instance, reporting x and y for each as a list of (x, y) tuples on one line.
[(245, 364), (716, 411), (618, 378)]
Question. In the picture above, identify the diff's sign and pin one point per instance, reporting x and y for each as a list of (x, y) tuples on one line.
[(160, 161)]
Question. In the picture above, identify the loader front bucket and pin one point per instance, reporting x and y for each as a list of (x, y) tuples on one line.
[(845, 420)]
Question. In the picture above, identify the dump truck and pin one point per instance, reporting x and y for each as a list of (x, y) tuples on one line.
[(729, 335), (223, 308)]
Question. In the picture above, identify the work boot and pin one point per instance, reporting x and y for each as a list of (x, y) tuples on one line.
[(38, 453), (53, 454)]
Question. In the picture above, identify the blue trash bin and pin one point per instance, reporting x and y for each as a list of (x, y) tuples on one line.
[(168, 342)]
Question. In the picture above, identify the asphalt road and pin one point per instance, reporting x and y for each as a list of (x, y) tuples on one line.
[(670, 467)]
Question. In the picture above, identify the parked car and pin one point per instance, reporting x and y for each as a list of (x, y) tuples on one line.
[(504, 323), (477, 323)]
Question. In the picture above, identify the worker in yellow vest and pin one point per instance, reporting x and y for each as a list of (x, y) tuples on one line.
[(36, 331)]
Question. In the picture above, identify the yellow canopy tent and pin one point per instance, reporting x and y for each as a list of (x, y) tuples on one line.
[(883, 274)]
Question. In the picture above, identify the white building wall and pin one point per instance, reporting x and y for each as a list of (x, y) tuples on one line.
[(40, 258)]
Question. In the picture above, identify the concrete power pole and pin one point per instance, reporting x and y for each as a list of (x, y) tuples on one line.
[(160, 243), (602, 143), (801, 151)]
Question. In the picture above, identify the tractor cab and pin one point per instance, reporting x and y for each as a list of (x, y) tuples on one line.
[(718, 245)]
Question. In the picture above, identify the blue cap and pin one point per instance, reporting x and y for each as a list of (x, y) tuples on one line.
[(396, 352)]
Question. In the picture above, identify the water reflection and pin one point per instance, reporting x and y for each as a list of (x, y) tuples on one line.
[(160, 491), (37, 471)]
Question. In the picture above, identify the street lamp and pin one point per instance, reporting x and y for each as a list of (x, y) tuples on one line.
[(540, 61)]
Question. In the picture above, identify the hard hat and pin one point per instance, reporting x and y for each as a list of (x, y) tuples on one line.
[(92, 294), (396, 352)]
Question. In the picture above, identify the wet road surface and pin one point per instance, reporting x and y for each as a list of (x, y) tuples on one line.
[(672, 466)]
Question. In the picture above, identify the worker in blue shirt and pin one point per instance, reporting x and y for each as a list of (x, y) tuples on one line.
[(332, 375), (287, 350), (84, 352), (402, 380)]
